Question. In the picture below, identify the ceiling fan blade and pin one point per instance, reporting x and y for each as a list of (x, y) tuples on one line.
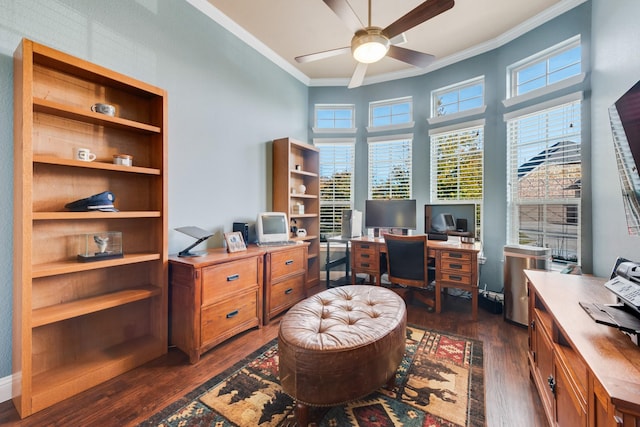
[(421, 13), (343, 9), (358, 75), (322, 55), (409, 56)]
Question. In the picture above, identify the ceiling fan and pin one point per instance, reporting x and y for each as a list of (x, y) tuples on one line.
[(370, 44)]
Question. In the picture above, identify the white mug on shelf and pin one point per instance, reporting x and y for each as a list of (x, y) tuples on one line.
[(101, 108), (85, 155), (301, 232)]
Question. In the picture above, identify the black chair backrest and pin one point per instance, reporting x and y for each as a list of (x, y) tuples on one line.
[(406, 257)]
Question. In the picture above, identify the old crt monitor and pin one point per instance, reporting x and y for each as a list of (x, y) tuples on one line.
[(443, 222), (390, 213), (272, 227)]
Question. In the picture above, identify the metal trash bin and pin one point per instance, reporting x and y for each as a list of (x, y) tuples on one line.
[(518, 258)]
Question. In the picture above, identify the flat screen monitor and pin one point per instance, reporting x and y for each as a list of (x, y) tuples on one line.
[(390, 213), (624, 116), (272, 227)]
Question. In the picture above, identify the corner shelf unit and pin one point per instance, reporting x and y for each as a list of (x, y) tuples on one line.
[(296, 163), (78, 324)]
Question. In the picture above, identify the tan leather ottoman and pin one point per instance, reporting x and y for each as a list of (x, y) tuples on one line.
[(339, 345)]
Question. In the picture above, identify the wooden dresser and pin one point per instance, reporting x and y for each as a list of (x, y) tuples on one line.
[(587, 374), (285, 278), (214, 297)]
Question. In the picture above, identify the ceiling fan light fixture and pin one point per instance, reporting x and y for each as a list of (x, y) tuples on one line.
[(369, 46)]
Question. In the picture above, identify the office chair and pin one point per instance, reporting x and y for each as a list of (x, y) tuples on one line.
[(408, 268)]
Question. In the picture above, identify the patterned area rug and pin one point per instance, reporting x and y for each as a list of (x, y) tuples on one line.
[(440, 382)]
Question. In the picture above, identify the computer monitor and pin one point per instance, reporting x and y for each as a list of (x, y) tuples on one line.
[(443, 222), (272, 227), (464, 218), (390, 213)]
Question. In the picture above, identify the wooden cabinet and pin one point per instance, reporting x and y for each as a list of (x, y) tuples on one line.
[(214, 297), (587, 374), (77, 324), (297, 164), (285, 278), (365, 259)]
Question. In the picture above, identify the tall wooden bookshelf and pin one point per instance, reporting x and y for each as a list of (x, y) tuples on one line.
[(77, 324), (296, 163)]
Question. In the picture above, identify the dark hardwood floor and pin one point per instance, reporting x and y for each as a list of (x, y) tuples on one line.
[(510, 397)]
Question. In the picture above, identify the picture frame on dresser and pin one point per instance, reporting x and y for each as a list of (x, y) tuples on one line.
[(235, 241)]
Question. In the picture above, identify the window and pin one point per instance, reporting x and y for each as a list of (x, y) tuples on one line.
[(336, 182), (333, 118), (546, 68), (457, 160), (460, 97), (390, 167), (544, 179), (392, 113)]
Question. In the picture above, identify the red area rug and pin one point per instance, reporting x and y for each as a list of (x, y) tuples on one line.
[(440, 382)]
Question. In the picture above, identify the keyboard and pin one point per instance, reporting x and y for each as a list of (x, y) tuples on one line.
[(284, 243), (626, 290)]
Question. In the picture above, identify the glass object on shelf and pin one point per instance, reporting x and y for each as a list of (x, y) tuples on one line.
[(99, 246)]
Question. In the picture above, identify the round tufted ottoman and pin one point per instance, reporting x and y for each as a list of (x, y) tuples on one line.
[(340, 345)]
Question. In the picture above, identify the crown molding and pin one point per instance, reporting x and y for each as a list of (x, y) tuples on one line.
[(212, 12)]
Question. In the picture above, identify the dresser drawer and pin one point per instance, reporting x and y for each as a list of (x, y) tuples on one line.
[(228, 278), (462, 279), (218, 319), (287, 262), (286, 293)]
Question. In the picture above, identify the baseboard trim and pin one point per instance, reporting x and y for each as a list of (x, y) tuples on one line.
[(5, 388)]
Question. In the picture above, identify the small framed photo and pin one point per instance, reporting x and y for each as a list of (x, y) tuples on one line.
[(235, 242)]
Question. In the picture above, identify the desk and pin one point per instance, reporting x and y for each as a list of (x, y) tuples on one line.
[(456, 264)]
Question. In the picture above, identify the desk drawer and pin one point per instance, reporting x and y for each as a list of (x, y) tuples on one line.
[(286, 293), (455, 266), (287, 262), (220, 318), (228, 278), (454, 256), (462, 279)]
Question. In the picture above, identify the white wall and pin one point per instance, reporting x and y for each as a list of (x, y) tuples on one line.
[(615, 68)]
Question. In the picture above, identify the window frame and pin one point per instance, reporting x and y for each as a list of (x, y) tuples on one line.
[(390, 103), (335, 107), (544, 204), (377, 142), (545, 55), (456, 87), (319, 143)]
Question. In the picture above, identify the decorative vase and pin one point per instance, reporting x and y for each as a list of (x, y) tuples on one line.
[(302, 188)]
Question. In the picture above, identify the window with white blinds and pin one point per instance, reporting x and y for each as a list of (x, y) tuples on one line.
[(545, 178), (457, 162), (390, 167), (336, 183)]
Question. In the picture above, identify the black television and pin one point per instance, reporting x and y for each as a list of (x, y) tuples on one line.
[(391, 214), (624, 116)]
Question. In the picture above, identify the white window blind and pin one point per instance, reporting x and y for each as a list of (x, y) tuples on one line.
[(457, 161), (544, 180), (390, 167), (336, 183)]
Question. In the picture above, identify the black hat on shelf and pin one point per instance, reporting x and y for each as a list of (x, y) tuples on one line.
[(98, 202)]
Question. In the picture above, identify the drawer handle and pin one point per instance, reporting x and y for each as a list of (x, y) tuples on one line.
[(458, 278), (455, 255), (232, 314), (288, 291), (288, 262), (364, 246), (455, 266), (364, 264), (365, 255), (233, 277)]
